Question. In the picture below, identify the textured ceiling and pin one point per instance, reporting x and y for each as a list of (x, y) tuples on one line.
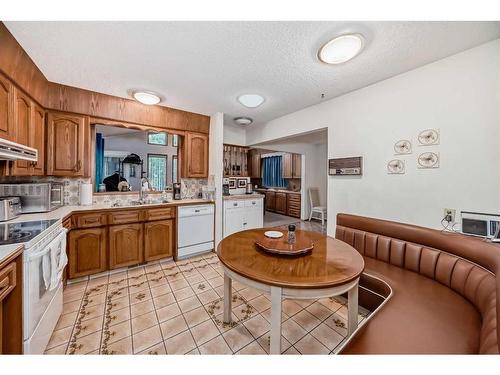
[(203, 66)]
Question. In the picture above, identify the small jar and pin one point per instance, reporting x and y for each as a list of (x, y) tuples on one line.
[(291, 234)]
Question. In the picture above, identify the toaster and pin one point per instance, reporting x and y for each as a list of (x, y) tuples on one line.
[(10, 207)]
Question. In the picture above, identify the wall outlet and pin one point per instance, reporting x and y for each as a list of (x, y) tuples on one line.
[(449, 215)]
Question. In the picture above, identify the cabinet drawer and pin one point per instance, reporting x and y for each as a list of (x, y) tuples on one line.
[(160, 213), (253, 203), (234, 204), (124, 217), (89, 220), (66, 223), (7, 280), (294, 197), (294, 212)]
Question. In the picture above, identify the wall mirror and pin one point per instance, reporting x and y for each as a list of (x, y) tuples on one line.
[(124, 155)]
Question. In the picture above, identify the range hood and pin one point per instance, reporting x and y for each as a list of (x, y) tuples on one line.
[(14, 151)]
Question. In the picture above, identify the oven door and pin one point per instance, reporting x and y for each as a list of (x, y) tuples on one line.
[(37, 283)]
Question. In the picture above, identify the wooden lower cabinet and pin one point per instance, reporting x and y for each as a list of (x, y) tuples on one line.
[(158, 239), (87, 252), (125, 245), (280, 203), (270, 200), (11, 304)]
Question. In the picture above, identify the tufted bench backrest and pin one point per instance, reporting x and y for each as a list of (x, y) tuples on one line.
[(467, 265)]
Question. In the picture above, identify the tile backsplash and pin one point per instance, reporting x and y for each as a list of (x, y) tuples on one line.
[(190, 188)]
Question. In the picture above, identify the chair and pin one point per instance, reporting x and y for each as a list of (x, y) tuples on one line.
[(315, 205)]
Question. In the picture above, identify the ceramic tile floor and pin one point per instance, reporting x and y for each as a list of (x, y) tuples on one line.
[(176, 308)]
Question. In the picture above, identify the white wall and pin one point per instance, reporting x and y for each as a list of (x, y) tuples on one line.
[(458, 95), (234, 135), (215, 167)]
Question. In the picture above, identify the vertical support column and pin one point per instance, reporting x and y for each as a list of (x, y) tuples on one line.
[(352, 309), (275, 344), (228, 298)]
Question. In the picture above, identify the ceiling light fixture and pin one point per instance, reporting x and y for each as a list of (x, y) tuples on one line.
[(251, 100), (341, 49), (243, 120), (146, 97)]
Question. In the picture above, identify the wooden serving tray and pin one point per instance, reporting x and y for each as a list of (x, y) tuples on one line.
[(280, 246)]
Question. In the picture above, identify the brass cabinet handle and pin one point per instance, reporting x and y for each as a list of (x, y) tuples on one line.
[(78, 166)]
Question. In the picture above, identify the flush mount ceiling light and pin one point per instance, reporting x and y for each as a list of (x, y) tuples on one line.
[(251, 100), (243, 120), (146, 97), (341, 49)]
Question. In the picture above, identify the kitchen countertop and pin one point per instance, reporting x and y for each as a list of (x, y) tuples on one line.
[(64, 211), (278, 191), (242, 196), (7, 250)]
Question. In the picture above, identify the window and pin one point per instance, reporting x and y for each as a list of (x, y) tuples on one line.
[(175, 140), (157, 138), (157, 171), (174, 168)]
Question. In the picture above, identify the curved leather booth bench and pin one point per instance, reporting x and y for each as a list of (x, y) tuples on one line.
[(445, 289)]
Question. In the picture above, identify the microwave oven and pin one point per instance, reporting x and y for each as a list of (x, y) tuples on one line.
[(481, 225)]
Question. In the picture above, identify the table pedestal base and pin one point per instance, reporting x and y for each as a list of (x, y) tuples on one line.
[(277, 295)]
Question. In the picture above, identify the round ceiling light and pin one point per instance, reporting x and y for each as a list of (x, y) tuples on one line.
[(341, 49), (251, 100), (243, 120), (146, 97)]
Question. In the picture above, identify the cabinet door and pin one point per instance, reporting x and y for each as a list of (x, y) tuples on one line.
[(233, 220), (22, 124), (287, 166), (125, 245), (37, 133), (297, 165), (158, 239), (254, 215), (255, 166), (65, 144), (280, 204), (196, 155), (270, 200), (87, 252), (6, 109)]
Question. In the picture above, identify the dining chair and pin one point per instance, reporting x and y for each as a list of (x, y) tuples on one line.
[(315, 207)]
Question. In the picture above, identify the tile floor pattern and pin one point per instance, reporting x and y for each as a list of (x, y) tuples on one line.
[(176, 308)]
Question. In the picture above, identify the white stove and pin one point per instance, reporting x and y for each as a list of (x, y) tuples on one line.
[(44, 259)]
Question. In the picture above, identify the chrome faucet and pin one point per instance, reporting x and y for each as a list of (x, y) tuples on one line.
[(142, 192)]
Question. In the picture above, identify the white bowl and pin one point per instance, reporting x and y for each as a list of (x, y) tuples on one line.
[(273, 234)]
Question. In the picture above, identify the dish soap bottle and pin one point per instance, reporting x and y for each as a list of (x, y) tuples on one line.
[(291, 234)]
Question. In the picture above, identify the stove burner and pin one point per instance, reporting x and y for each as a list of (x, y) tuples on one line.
[(18, 235)]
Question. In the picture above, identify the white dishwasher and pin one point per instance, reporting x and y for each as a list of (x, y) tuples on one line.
[(195, 230)]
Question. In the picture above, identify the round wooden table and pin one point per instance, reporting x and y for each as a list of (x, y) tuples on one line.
[(332, 268)]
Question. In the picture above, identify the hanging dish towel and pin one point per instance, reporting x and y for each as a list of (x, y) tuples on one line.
[(47, 268), (59, 259)]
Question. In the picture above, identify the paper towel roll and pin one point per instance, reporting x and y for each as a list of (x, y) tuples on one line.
[(85, 194)]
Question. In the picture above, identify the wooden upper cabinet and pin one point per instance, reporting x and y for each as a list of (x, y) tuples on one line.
[(37, 134), (195, 158), (292, 165), (158, 239), (87, 252), (125, 245), (297, 165), (66, 144), (254, 170), (287, 166), (6, 109), (23, 126)]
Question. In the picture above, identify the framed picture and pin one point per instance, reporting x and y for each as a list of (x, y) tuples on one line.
[(232, 184), (242, 182), (402, 147)]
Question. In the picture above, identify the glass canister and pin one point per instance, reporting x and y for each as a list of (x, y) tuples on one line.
[(291, 234)]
